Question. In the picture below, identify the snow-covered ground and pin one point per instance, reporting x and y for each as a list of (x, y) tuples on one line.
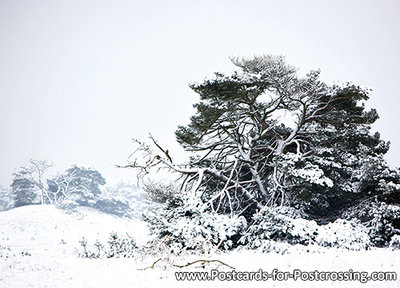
[(38, 248)]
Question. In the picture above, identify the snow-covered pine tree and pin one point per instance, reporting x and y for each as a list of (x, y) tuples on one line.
[(344, 151), (272, 137), (78, 184), (29, 180), (263, 136), (6, 199), (23, 191)]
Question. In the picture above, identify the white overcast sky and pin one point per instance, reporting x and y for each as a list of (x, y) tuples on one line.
[(79, 79)]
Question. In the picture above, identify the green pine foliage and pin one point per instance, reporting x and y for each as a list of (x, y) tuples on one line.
[(23, 191), (264, 140), (322, 163)]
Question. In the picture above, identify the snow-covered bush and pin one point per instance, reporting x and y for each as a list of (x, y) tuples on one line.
[(69, 206), (121, 247), (185, 223), (395, 242), (160, 193), (382, 220), (112, 206), (5, 251), (344, 234), (270, 226), (115, 247), (6, 201), (385, 224), (106, 205), (89, 253), (131, 195)]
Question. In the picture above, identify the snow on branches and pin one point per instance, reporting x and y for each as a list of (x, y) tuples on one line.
[(260, 137)]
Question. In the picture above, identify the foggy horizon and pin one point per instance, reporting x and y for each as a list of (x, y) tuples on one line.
[(79, 79)]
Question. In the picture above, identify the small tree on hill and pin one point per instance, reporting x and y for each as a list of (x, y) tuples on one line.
[(23, 190), (30, 180), (6, 199), (78, 184)]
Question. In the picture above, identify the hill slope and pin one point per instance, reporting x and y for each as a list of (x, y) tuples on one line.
[(38, 248)]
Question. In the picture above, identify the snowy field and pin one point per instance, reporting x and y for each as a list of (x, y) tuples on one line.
[(39, 248)]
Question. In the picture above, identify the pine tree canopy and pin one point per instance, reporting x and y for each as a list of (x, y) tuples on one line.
[(265, 136)]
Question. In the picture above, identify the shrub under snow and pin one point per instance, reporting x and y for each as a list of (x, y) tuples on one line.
[(115, 247), (271, 227), (192, 227), (382, 220)]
